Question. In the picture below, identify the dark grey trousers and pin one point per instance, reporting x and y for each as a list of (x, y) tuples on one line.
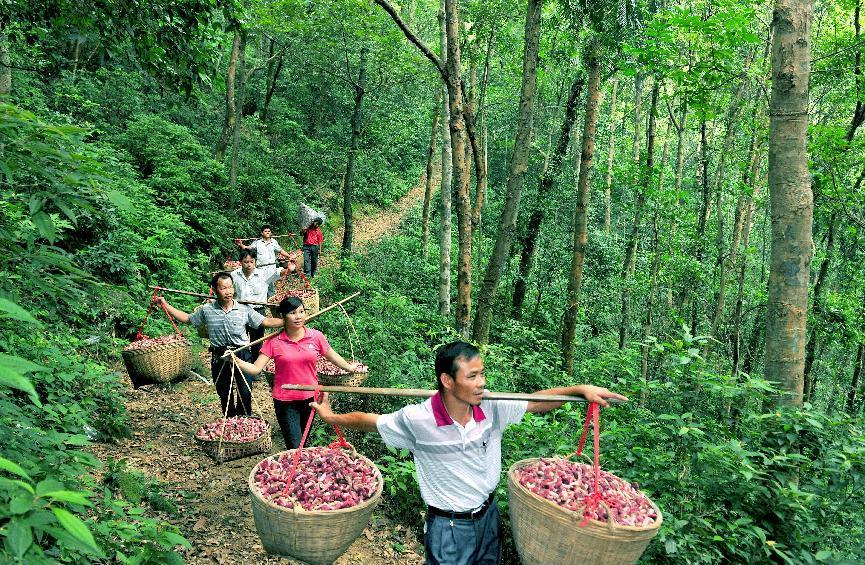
[(464, 542)]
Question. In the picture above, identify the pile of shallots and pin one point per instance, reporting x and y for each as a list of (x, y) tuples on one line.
[(153, 341), (326, 479), (302, 293), (325, 367), (568, 483), (238, 429), (230, 265)]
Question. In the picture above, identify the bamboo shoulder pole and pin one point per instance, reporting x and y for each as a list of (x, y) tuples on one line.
[(424, 393), (259, 237), (201, 295), (270, 335)]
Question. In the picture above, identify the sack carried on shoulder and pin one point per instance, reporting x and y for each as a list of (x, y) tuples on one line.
[(307, 215)]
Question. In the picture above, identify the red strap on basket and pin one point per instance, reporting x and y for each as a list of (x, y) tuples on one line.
[(140, 335), (592, 500), (341, 442)]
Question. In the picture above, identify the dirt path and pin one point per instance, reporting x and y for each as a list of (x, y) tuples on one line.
[(213, 500), (369, 230)]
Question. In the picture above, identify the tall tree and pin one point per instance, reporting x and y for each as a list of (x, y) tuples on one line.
[(446, 189), (230, 101), (519, 164), (608, 185), (791, 200), (428, 178), (359, 88), (580, 224), (528, 243)]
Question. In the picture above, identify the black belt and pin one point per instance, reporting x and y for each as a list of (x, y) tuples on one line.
[(473, 515)]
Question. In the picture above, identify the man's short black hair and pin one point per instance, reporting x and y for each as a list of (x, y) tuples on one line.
[(265, 227), (244, 253), (447, 355), (216, 278)]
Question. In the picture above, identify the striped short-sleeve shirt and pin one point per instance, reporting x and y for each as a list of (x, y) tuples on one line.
[(457, 466), (226, 328)]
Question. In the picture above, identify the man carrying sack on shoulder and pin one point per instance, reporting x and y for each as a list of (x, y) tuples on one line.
[(455, 438)]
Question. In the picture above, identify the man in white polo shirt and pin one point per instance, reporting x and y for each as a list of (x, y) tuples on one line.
[(456, 440)]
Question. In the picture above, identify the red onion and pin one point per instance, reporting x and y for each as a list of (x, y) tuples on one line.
[(326, 479), (568, 483)]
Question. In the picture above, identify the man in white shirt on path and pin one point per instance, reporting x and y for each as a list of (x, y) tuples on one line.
[(455, 438)]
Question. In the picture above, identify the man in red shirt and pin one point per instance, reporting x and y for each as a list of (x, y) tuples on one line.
[(312, 240)]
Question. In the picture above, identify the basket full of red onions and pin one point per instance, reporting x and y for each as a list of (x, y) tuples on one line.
[(157, 360), (324, 508), (331, 375), (235, 437), (552, 521)]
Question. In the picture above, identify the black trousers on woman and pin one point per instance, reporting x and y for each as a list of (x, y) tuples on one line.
[(292, 416)]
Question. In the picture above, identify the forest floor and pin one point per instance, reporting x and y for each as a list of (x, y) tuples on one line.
[(214, 509)]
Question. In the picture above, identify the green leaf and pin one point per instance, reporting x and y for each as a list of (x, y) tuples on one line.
[(45, 225), (8, 483), (823, 555), (16, 380), (69, 496), (9, 309), (21, 504), (19, 538), (670, 546), (177, 539), (77, 440), (120, 200), (76, 527), (20, 365), (14, 468), (6, 171), (48, 485)]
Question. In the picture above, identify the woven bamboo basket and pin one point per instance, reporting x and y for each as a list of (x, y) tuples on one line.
[(317, 537), (347, 379), (222, 451), (544, 532), (159, 363)]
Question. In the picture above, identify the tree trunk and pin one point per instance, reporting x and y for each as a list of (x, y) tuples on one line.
[(5, 62), (608, 188), (859, 112), (581, 208), (792, 205), (446, 188), (428, 188), (740, 292), (481, 157), (230, 102), (460, 179), (630, 261), (238, 112), (819, 283), (528, 243), (857, 376), (356, 120), (638, 114), (519, 164), (271, 88)]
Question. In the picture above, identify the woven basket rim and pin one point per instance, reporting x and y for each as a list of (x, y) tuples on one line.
[(300, 511), (610, 524), (266, 432), (184, 342)]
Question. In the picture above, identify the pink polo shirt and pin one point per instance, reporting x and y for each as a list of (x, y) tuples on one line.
[(295, 362)]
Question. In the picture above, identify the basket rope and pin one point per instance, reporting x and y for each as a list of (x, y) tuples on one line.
[(140, 335), (234, 395), (341, 442), (595, 498)]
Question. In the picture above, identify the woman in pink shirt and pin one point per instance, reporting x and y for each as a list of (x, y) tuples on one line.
[(294, 351)]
